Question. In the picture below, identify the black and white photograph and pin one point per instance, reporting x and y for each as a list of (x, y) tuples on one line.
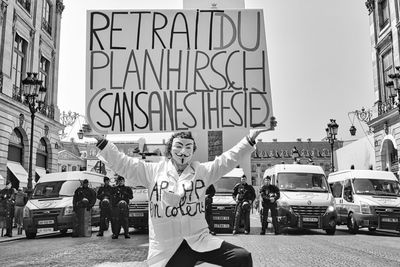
[(185, 133)]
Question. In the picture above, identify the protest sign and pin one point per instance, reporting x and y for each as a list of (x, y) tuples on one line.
[(174, 70)]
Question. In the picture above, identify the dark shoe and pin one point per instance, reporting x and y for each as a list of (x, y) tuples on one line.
[(114, 237), (246, 232), (127, 236), (262, 233), (9, 235), (100, 234)]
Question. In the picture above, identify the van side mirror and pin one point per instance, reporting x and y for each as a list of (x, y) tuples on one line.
[(350, 198)]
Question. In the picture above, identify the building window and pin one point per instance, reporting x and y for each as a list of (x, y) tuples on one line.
[(42, 155), (387, 68), (19, 55), (44, 67), (46, 16), (16, 147), (383, 13), (26, 4)]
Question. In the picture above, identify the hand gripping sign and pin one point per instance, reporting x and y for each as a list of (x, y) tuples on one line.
[(175, 70)]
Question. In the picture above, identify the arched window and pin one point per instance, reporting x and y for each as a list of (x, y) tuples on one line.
[(42, 155), (16, 147)]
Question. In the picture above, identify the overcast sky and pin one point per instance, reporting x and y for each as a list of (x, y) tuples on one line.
[(319, 59)]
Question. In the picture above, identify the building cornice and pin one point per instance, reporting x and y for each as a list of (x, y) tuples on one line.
[(370, 5)]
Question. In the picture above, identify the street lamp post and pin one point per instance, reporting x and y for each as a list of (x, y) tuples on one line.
[(34, 94), (331, 133), (81, 134)]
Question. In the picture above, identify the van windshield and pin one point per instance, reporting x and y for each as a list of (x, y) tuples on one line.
[(310, 182), (226, 184), (380, 187), (55, 189)]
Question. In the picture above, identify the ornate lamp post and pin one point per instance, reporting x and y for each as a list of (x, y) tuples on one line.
[(362, 115), (331, 133), (34, 94)]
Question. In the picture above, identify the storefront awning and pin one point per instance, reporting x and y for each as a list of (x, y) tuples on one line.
[(19, 172), (40, 171)]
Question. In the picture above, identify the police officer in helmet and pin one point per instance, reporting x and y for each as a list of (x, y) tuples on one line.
[(84, 198), (269, 194), (104, 195), (244, 195), (121, 196)]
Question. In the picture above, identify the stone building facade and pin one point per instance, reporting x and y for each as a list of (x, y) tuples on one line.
[(268, 154), (384, 20), (29, 42)]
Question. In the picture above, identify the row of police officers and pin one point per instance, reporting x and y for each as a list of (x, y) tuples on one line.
[(114, 206)]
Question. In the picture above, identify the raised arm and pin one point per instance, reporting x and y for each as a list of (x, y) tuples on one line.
[(224, 163), (133, 169)]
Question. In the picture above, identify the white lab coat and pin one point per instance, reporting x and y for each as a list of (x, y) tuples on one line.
[(176, 203)]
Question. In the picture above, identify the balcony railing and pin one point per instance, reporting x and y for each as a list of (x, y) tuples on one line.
[(17, 93), (386, 106), (47, 110)]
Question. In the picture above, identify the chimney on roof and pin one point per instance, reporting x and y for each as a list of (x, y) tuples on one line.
[(298, 139), (275, 140)]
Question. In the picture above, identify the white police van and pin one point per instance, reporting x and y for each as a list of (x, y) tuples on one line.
[(50, 207), (366, 198), (306, 201)]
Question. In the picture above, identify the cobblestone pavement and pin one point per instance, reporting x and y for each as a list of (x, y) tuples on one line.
[(296, 248)]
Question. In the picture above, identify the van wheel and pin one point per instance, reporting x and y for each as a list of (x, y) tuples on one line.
[(331, 231), (63, 231), (352, 224), (372, 229), (30, 235)]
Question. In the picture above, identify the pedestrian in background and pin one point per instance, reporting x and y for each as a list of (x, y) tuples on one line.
[(210, 193), (244, 195), (83, 201), (121, 196), (7, 199), (104, 194), (269, 195), (21, 198)]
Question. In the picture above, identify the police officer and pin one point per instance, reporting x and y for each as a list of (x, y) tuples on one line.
[(269, 194), (244, 196), (84, 198), (120, 201), (210, 192), (7, 198), (104, 195)]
